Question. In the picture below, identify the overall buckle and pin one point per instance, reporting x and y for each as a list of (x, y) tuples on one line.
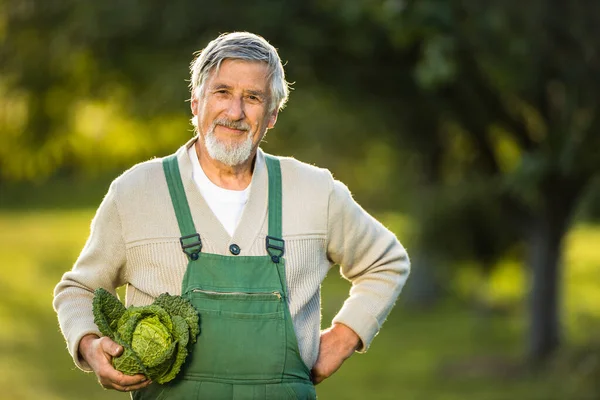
[(191, 247), (275, 248)]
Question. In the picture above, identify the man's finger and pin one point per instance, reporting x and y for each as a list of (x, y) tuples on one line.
[(110, 376), (129, 388), (138, 386), (110, 347), (121, 379), (316, 379), (125, 383)]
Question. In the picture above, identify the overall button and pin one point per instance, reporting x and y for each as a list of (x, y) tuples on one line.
[(234, 249)]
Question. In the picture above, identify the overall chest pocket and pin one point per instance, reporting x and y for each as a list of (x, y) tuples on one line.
[(242, 336)]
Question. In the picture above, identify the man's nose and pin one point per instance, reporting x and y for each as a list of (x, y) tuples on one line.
[(236, 109)]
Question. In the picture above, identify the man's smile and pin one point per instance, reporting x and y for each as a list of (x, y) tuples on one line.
[(231, 130)]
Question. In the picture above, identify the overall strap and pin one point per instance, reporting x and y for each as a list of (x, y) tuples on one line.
[(275, 244), (190, 239)]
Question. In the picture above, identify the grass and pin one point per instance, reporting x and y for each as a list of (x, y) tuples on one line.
[(445, 353)]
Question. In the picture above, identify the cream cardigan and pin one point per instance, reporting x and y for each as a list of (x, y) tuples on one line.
[(134, 241)]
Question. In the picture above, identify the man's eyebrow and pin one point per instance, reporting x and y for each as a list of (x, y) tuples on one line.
[(220, 86), (258, 93), (253, 92)]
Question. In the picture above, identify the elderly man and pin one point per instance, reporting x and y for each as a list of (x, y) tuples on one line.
[(264, 232)]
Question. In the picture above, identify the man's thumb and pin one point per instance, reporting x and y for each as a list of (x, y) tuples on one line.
[(112, 348), (115, 350)]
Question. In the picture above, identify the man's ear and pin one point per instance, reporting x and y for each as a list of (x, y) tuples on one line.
[(272, 119), (194, 105)]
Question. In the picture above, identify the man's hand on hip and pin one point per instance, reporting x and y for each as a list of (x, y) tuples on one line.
[(98, 352), (337, 344)]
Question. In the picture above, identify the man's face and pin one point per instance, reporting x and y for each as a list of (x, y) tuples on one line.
[(232, 110)]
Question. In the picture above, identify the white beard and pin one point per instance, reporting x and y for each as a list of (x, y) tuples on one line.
[(230, 154)]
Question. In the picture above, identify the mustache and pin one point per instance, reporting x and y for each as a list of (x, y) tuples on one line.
[(242, 126)]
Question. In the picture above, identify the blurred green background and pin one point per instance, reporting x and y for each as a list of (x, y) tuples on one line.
[(471, 129)]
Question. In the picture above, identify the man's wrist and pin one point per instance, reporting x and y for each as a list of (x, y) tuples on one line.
[(347, 335), (84, 345)]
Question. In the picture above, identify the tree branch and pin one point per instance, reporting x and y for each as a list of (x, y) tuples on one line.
[(491, 99)]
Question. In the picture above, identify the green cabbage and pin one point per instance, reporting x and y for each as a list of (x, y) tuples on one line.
[(155, 338)]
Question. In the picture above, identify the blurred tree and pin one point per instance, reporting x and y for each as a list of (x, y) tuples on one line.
[(522, 83), (82, 82), (502, 91)]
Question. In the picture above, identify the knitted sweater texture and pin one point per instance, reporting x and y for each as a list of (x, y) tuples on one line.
[(134, 241)]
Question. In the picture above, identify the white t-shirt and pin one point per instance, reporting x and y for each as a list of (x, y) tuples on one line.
[(227, 205)]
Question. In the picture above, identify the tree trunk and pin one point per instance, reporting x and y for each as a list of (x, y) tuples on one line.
[(545, 255), (546, 234)]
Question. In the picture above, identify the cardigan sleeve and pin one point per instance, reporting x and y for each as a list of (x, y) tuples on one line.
[(99, 265), (370, 257)]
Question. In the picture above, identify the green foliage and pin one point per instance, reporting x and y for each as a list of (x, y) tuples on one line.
[(180, 307), (108, 310), (155, 338), (465, 223)]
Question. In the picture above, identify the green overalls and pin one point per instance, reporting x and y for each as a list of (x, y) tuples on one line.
[(247, 347)]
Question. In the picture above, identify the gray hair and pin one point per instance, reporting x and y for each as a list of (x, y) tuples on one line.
[(243, 46)]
